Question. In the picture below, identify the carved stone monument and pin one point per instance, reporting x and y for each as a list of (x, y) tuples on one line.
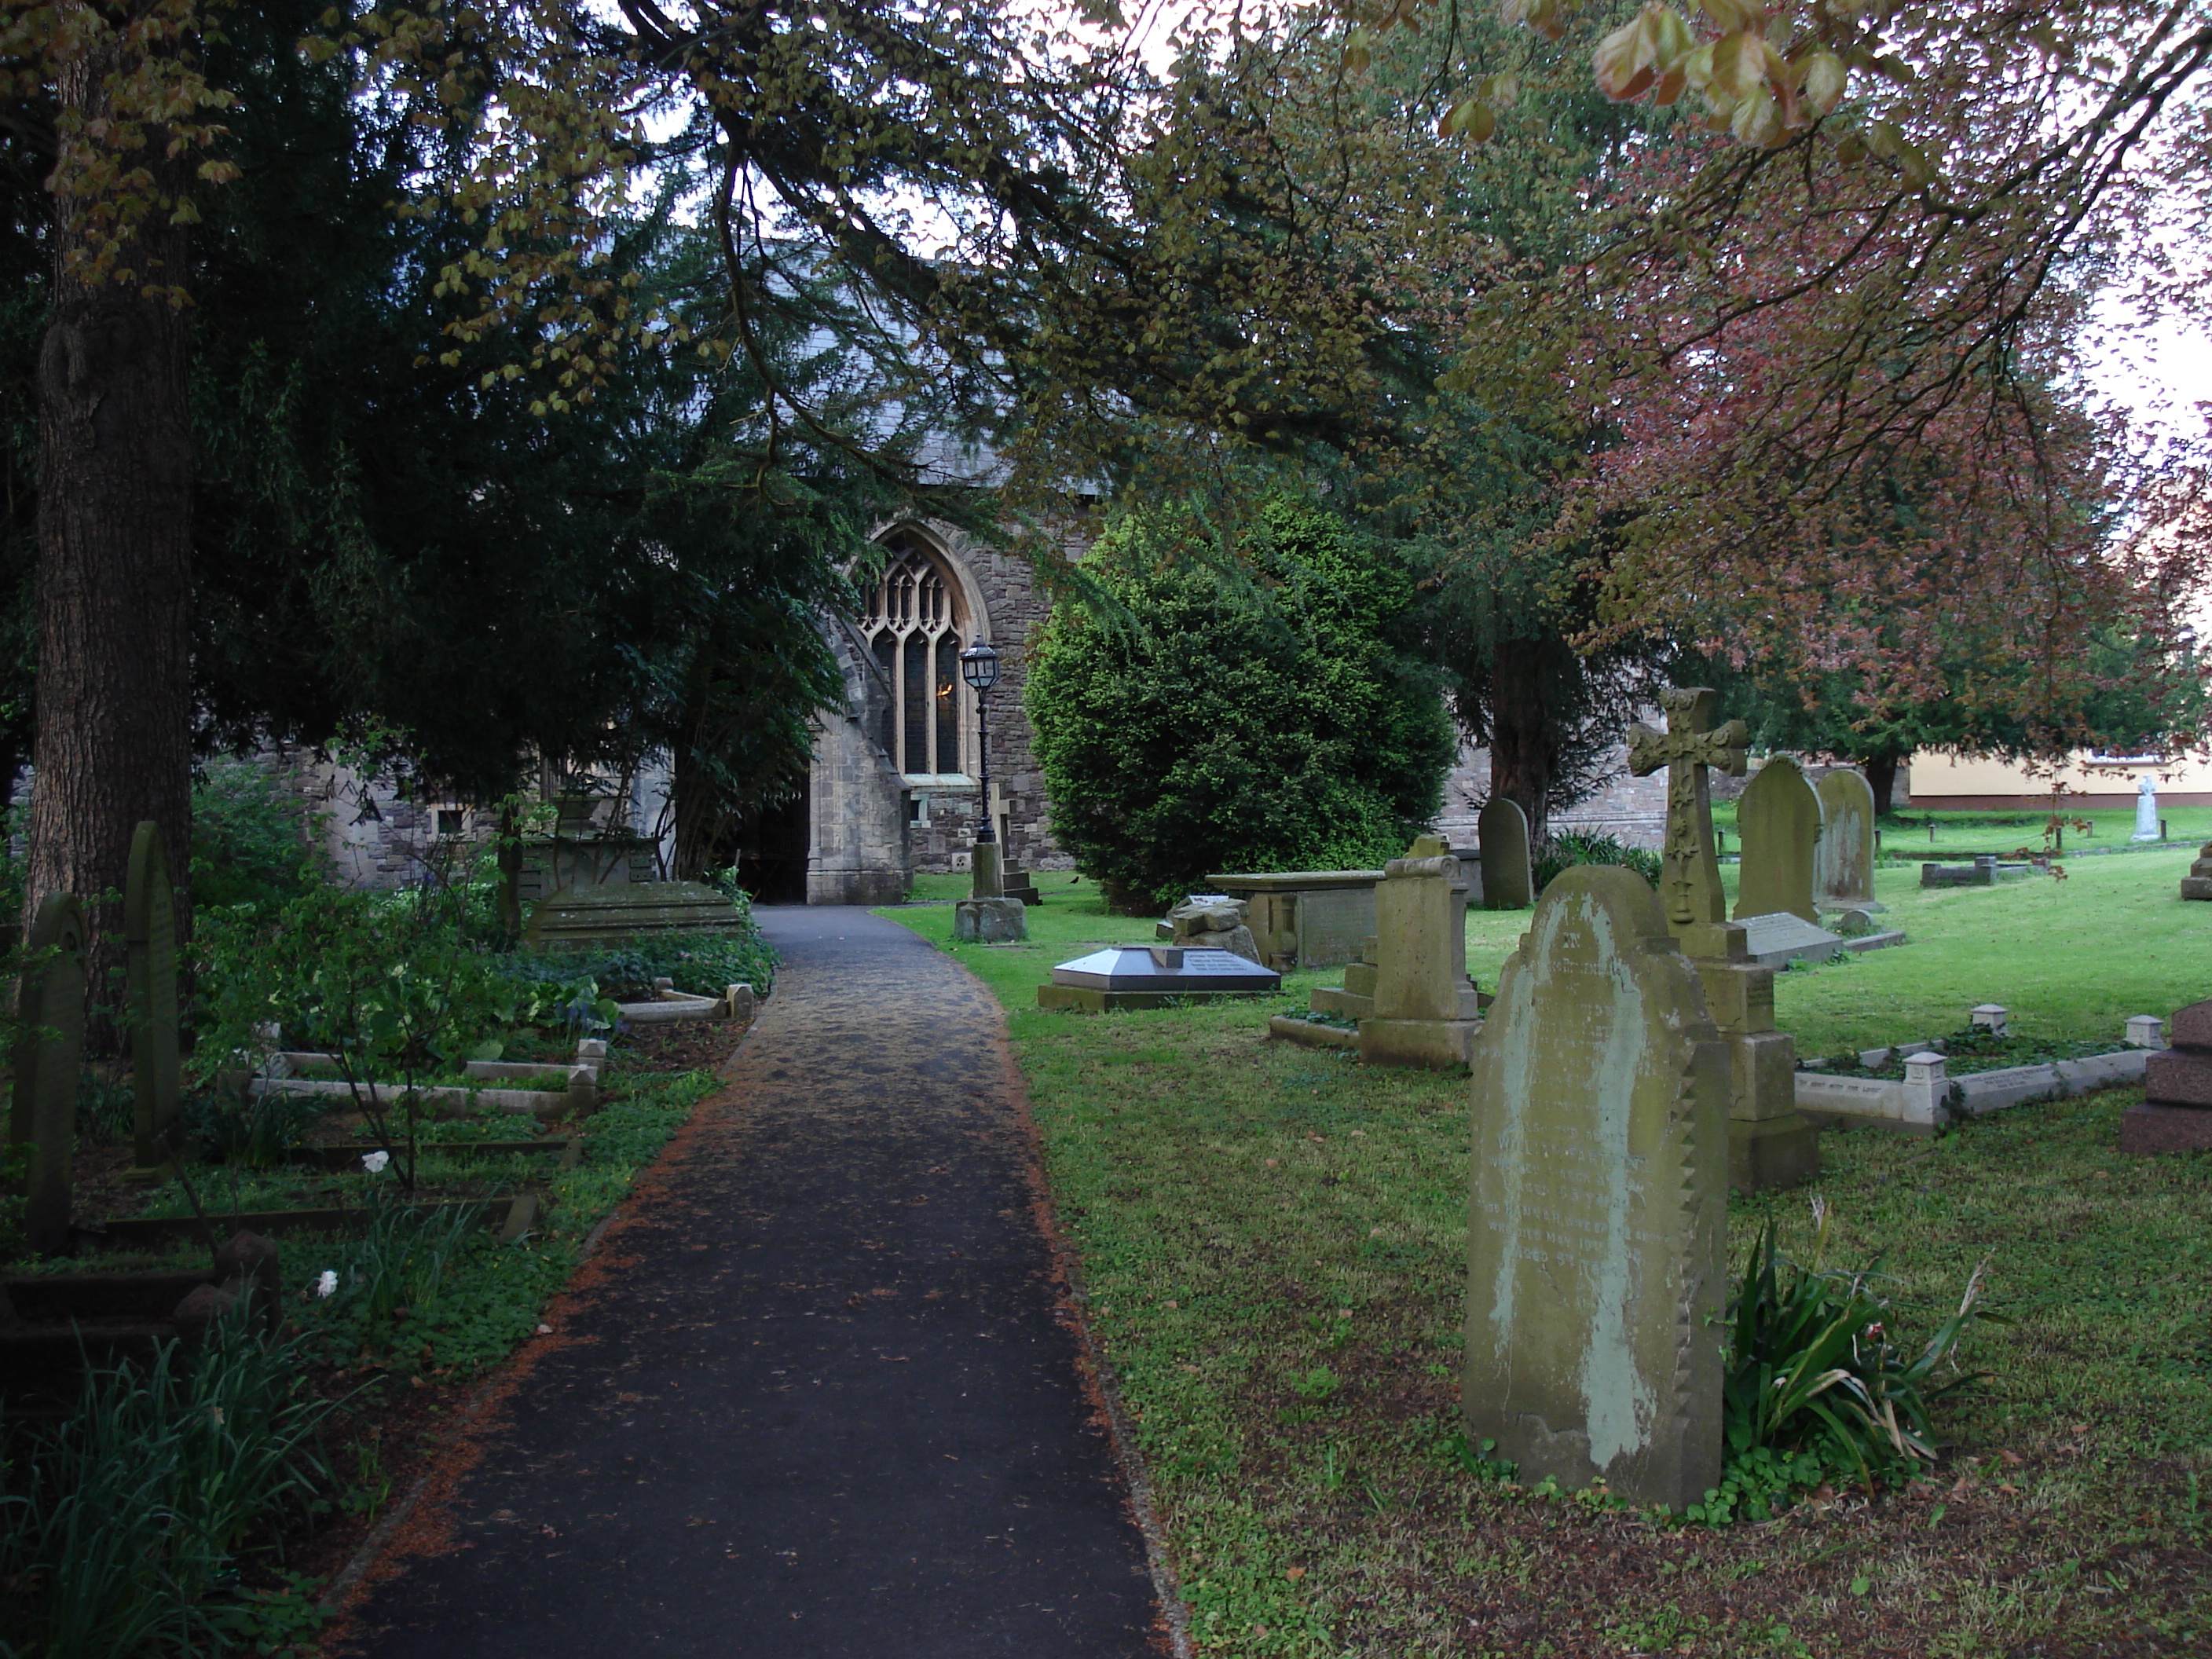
[(2146, 825), (1779, 819), (1770, 1144), (49, 1055), (2175, 1115), (2197, 883), (1596, 1239), (1501, 831), (1426, 1010), (1843, 865), (150, 933)]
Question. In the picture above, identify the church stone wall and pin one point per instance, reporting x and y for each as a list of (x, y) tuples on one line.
[(942, 822), (857, 851)]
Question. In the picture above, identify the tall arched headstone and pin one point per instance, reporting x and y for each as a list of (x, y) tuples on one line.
[(48, 1058), (150, 933), (1597, 1228), (1502, 829), (1778, 820), (1843, 866)]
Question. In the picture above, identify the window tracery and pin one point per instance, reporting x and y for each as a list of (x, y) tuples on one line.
[(912, 623)]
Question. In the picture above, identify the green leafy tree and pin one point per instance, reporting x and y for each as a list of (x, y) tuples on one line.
[(1196, 714)]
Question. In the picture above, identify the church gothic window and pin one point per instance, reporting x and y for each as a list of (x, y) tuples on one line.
[(913, 627)]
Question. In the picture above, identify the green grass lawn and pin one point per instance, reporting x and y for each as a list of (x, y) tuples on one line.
[(1273, 1239), (2070, 958), (1906, 833)]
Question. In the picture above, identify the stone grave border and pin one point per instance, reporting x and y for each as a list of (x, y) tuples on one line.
[(1927, 1100)]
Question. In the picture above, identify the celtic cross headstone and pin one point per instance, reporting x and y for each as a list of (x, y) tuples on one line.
[(1689, 874), (1769, 1142)]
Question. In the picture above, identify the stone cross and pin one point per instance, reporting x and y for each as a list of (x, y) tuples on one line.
[(1690, 876)]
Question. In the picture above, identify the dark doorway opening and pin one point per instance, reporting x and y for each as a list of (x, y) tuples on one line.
[(772, 848)]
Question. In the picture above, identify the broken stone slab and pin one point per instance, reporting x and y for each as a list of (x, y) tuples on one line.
[(1780, 939), (1311, 1033), (1304, 918), (611, 915), (989, 922)]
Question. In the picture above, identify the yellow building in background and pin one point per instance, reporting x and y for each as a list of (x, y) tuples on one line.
[(2090, 780)]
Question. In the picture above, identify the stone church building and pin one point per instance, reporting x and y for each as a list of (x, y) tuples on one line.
[(894, 788), (895, 784)]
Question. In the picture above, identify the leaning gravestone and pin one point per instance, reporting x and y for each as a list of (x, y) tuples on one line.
[(1778, 818), (1842, 863), (150, 933), (1502, 830), (1595, 1261), (48, 1057)]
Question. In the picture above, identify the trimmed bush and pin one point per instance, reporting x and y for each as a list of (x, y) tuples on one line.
[(1190, 719)]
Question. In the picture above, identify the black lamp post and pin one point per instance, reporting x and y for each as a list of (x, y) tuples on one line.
[(979, 667)]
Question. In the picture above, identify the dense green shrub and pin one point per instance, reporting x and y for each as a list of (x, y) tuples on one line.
[(704, 964), (1558, 853), (253, 841), (1190, 719)]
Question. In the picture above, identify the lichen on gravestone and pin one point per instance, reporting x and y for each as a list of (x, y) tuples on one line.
[(1599, 1203), (48, 1058), (150, 932)]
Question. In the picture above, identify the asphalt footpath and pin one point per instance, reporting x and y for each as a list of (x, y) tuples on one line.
[(819, 1394)]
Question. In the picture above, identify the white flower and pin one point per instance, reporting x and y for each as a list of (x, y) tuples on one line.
[(374, 1162), (327, 1285)]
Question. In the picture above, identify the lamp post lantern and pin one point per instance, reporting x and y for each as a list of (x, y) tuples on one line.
[(979, 667)]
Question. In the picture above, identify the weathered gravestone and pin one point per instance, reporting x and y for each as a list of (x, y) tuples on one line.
[(49, 1055), (2175, 1115), (150, 933), (1778, 817), (1214, 922), (1842, 863), (1426, 1009), (1502, 830), (2197, 883), (1305, 918), (1596, 1232), (615, 916), (1770, 1144)]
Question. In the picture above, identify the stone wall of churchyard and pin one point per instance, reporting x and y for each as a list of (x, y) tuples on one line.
[(1632, 810), (943, 820), (372, 837)]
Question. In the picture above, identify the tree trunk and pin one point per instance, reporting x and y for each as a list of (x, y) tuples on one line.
[(1881, 778), (1523, 744), (114, 590)]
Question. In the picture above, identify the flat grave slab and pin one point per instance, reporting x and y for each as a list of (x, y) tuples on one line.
[(1780, 939), (1150, 976), (613, 915)]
